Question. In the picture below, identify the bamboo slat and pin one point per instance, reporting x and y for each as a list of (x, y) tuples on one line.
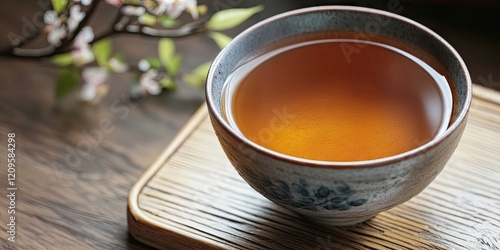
[(191, 198)]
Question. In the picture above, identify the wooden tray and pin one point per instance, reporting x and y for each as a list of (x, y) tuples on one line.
[(192, 198)]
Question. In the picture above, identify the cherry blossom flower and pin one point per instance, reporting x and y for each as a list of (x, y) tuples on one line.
[(55, 29), (82, 52), (116, 3), (84, 2), (75, 17), (85, 36), (133, 10), (117, 66), (94, 87), (147, 84), (174, 8)]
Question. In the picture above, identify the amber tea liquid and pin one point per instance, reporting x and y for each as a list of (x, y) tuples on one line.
[(317, 100)]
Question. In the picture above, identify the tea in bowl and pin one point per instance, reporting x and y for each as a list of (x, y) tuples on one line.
[(334, 120)]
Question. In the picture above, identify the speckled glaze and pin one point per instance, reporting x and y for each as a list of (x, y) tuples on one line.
[(340, 193)]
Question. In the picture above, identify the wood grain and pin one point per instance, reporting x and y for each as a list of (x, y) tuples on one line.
[(68, 200), (192, 197), (83, 206)]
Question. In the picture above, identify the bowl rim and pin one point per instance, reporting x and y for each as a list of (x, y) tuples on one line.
[(379, 162)]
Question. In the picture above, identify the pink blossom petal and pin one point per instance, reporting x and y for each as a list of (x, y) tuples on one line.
[(174, 10), (162, 6), (133, 10), (191, 7), (117, 66), (153, 88), (56, 35), (50, 17), (86, 2), (116, 3), (94, 95), (75, 17), (94, 87), (95, 75), (83, 38), (149, 84), (82, 55), (88, 93)]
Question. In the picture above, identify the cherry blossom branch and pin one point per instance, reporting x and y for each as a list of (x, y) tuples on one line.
[(121, 25), (86, 57), (68, 40), (48, 51)]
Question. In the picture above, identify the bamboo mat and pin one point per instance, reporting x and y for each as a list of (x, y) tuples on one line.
[(192, 198)]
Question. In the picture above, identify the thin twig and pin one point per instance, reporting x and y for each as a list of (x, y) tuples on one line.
[(34, 53), (183, 31)]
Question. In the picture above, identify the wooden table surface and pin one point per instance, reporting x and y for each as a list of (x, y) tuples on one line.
[(67, 199)]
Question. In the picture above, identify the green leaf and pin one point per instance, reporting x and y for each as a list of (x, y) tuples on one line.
[(168, 58), (147, 19), (221, 39), (174, 65), (67, 80), (198, 76), (168, 83), (62, 59), (153, 62), (166, 50), (59, 5), (102, 51), (230, 18), (167, 22)]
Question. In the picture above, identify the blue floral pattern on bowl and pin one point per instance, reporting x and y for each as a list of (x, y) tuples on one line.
[(302, 195)]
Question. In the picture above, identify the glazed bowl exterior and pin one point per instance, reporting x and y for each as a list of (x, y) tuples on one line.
[(339, 193)]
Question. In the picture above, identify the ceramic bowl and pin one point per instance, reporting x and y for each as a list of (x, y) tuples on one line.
[(339, 193)]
